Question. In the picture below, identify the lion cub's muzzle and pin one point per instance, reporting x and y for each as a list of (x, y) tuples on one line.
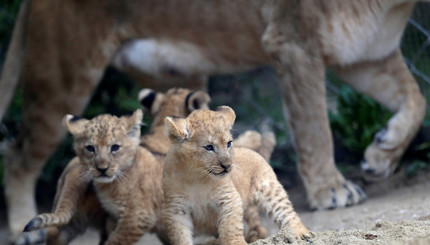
[(224, 167), (104, 173)]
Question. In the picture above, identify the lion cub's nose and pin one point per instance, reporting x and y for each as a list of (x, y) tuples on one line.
[(225, 166), (102, 170)]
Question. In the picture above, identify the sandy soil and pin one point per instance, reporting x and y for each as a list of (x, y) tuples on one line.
[(397, 212), (383, 232)]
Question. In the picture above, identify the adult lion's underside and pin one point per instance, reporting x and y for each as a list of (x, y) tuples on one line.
[(68, 44)]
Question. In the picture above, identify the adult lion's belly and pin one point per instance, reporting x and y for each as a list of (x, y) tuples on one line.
[(159, 57), (368, 36)]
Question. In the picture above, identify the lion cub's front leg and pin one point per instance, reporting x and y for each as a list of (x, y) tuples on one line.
[(177, 220), (271, 196), (178, 212), (130, 227), (230, 215)]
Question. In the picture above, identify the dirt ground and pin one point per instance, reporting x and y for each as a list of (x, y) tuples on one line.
[(397, 212)]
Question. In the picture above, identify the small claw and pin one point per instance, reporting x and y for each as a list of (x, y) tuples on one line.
[(361, 193), (350, 196), (307, 237), (309, 240), (34, 224), (333, 199)]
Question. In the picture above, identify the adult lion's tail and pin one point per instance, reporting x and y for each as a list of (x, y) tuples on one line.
[(13, 62)]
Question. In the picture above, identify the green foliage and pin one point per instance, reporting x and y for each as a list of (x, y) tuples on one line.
[(414, 167), (357, 120), (424, 147), (8, 12), (417, 158), (15, 108), (427, 117)]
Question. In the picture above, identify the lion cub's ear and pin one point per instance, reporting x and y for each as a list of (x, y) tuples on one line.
[(177, 127), (228, 114), (133, 123), (150, 100), (75, 125), (197, 100)]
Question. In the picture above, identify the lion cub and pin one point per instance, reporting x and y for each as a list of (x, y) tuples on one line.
[(125, 177), (76, 205), (207, 183)]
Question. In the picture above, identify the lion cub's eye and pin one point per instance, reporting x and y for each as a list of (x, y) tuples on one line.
[(90, 148), (229, 144), (114, 148), (209, 148)]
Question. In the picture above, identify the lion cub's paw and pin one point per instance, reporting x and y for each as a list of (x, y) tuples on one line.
[(301, 232), (258, 232), (342, 195)]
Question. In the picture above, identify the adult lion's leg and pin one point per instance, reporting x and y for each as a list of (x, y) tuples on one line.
[(41, 132), (59, 76), (302, 85), (389, 82)]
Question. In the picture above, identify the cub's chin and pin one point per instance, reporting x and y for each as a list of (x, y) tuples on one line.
[(104, 179)]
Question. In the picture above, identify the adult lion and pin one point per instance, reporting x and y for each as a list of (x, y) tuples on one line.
[(60, 49)]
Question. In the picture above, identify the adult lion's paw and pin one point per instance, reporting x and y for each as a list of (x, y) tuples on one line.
[(379, 163), (342, 195)]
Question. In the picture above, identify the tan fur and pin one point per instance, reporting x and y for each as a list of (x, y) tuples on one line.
[(157, 141), (76, 206), (206, 179), (126, 179), (61, 68), (263, 144)]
